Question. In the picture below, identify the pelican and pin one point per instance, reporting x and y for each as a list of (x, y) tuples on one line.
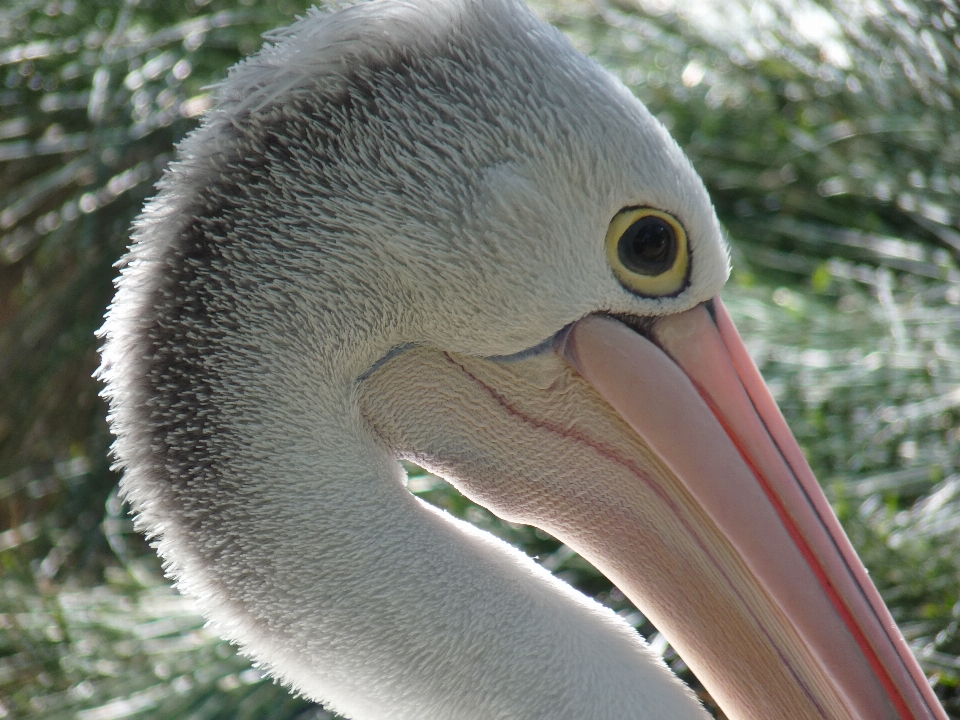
[(432, 229)]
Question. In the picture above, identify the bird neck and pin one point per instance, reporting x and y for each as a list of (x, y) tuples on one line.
[(302, 545)]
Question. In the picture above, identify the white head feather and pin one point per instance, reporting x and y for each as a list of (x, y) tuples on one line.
[(434, 173)]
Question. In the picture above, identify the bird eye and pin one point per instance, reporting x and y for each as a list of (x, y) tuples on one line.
[(647, 250)]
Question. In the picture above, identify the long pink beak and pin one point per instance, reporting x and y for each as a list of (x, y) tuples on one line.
[(694, 395)]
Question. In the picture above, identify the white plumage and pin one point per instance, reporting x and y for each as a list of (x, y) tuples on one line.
[(426, 181)]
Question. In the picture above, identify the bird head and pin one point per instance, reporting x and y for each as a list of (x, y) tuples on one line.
[(434, 230)]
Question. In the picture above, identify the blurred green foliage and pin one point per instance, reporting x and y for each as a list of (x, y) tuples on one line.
[(828, 136)]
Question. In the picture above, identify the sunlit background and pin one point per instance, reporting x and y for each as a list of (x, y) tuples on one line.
[(829, 137)]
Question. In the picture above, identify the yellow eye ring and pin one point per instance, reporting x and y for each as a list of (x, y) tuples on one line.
[(647, 250)]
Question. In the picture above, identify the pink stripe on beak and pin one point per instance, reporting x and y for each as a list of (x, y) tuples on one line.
[(710, 417)]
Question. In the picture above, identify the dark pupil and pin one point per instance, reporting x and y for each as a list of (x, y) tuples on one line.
[(648, 247)]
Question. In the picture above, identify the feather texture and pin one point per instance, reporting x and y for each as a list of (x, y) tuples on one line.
[(393, 175)]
